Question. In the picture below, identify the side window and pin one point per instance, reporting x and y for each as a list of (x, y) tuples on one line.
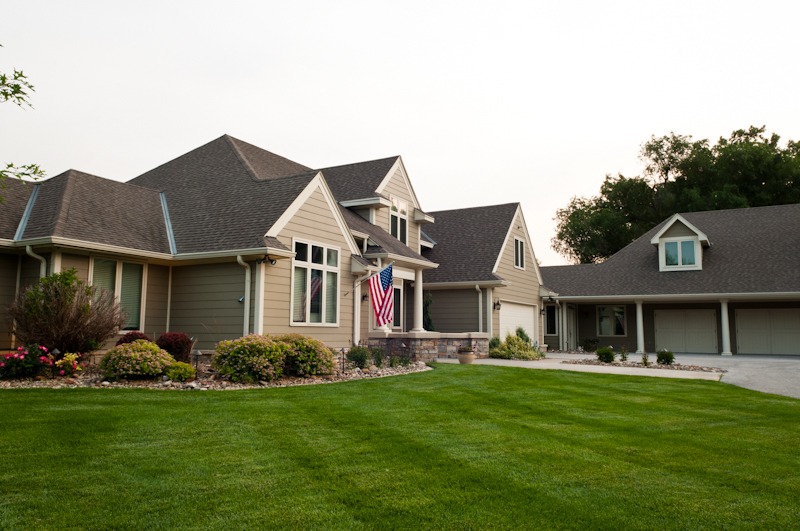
[(398, 220), (315, 284), (124, 280), (550, 320), (519, 253)]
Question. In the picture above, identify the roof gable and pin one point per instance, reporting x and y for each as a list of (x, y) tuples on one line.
[(361, 180), (676, 221)]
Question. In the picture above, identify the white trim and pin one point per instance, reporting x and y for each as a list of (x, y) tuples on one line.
[(258, 311), (55, 261), (519, 245), (461, 285), (378, 202), (425, 264), (308, 265), (509, 233), (675, 218), (317, 183), (682, 297), (169, 298), (400, 202), (662, 254), (398, 165)]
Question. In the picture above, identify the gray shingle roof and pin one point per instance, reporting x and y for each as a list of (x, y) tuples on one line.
[(468, 242), (359, 180), (753, 250), (84, 207), (384, 241), (226, 194), (16, 194)]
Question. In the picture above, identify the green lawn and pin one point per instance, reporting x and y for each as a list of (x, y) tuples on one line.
[(461, 447)]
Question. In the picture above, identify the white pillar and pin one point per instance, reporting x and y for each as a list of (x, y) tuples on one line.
[(357, 312), (418, 301), (726, 329), (639, 328), (489, 310), (258, 310)]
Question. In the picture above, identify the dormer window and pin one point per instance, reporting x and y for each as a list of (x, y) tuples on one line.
[(680, 245), (680, 253), (398, 220)]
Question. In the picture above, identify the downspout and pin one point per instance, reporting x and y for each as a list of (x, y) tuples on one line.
[(43, 266), (246, 293), (480, 308)]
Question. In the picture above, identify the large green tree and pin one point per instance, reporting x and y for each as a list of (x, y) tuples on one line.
[(748, 169), (16, 88)]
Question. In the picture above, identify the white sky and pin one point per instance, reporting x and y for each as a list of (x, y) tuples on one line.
[(487, 102)]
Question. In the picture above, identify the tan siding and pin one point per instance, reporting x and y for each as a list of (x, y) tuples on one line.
[(8, 285), (314, 223), (155, 316), (77, 262), (523, 285), (396, 187), (205, 302), (456, 310), (678, 230), (30, 271)]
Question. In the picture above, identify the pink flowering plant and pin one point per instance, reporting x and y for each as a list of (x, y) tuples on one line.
[(68, 365), (26, 362)]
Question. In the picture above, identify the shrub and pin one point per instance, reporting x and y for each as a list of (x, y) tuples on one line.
[(26, 362), (378, 356), (130, 337), (523, 335), (68, 365), (665, 357), (400, 358), (605, 354), (515, 348), (176, 343), (305, 356), (645, 359), (138, 360), (251, 358), (181, 372), (62, 312), (494, 342), (623, 354), (358, 356)]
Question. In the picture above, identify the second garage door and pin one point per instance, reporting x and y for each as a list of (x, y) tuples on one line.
[(515, 315), (687, 331), (772, 331)]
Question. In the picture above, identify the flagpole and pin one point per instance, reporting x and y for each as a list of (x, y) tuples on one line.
[(361, 281)]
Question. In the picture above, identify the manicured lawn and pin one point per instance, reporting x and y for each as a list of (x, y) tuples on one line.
[(461, 447)]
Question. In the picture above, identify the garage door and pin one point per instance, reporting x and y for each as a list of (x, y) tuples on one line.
[(514, 315), (775, 331), (687, 331)]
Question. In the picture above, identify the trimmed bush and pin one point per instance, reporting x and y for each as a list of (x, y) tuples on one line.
[(130, 337), (358, 356), (61, 312), (178, 344), (605, 354), (523, 335), (494, 342), (250, 359), (515, 348), (305, 356), (665, 357), (181, 372), (138, 360)]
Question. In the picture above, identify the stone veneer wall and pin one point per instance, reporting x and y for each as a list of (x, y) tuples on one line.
[(427, 349)]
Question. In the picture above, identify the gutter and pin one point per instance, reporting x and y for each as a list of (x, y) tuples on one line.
[(43, 262), (246, 293)]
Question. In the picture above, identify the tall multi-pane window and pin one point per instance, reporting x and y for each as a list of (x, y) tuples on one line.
[(550, 320), (128, 290), (398, 220), (315, 284), (519, 253), (611, 321)]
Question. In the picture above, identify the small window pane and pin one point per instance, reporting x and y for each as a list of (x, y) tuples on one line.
[(317, 253), (397, 307), (393, 226), (403, 225), (131, 294), (315, 297), (687, 253), (301, 251), (299, 295), (330, 296), (104, 275), (333, 257), (671, 253)]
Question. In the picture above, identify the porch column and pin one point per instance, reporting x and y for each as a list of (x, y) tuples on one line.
[(489, 310), (726, 329), (418, 301), (357, 312), (639, 328)]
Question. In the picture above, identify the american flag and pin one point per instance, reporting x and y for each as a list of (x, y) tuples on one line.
[(380, 288)]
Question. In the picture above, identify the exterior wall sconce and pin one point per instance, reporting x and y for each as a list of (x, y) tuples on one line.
[(266, 258), (364, 298), (496, 305)]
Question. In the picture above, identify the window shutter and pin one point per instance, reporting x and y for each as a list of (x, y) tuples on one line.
[(131, 294)]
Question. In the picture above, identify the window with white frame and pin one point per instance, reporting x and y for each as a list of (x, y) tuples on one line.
[(519, 253), (550, 320), (315, 284), (611, 321), (680, 253), (397, 313), (124, 280), (398, 220)]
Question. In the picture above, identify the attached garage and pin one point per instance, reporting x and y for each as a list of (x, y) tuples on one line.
[(686, 331), (768, 331), (514, 315)]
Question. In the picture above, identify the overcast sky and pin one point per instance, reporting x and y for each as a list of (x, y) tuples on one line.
[(487, 102)]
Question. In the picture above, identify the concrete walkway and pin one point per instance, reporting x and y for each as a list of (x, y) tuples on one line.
[(769, 374)]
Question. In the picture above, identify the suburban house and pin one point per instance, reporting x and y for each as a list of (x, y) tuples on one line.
[(488, 279), (230, 239), (718, 282)]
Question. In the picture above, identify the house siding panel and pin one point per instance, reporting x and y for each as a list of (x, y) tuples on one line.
[(314, 222), (396, 187), (78, 262), (205, 302), (155, 317)]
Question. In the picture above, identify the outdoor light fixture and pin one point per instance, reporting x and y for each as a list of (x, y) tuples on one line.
[(266, 258), (364, 298), (241, 299), (496, 305)]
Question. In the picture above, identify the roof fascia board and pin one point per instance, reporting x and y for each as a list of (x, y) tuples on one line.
[(675, 218), (378, 202), (423, 264), (683, 297), (465, 285), (317, 183)]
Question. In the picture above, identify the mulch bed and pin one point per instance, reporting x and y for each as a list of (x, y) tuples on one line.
[(652, 365)]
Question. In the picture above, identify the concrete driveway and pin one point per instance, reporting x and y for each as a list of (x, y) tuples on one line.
[(779, 375)]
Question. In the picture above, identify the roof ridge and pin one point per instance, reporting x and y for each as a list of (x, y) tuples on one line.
[(60, 215), (239, 155), (394, 157), (513, 203)]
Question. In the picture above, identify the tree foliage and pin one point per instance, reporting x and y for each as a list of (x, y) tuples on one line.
[(16, 88), (62, 312), (748, 169)]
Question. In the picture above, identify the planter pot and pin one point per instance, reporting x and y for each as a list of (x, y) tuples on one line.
[(466, 357)]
